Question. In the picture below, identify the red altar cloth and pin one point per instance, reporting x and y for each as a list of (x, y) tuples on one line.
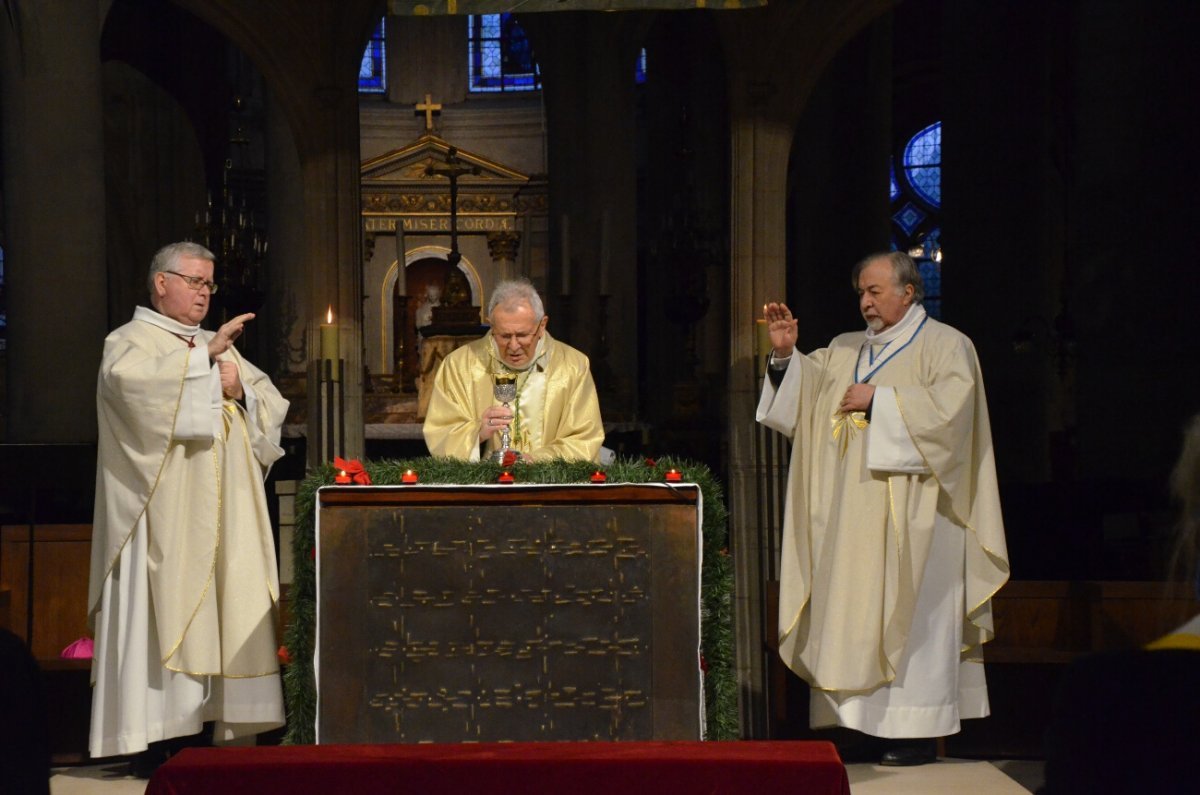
[(579, 768)]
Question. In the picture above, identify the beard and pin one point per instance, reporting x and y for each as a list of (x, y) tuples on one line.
[(875, 323)]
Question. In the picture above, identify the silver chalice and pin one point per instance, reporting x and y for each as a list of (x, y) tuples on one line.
[(504, 389)]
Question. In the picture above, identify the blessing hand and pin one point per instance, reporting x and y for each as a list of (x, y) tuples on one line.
[(781, 327), (226, 334)]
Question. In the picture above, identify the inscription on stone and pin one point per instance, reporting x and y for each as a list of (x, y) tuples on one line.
[(441, 223), (501, 623)]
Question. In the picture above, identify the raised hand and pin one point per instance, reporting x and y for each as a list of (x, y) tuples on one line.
[(781, 327), (226, 334)]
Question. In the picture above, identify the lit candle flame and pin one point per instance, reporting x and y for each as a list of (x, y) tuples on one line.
[(329, 314)]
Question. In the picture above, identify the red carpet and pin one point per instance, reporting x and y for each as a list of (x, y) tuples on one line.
[(599, 768)]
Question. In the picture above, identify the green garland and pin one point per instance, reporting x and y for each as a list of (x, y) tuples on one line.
[(716, 589)]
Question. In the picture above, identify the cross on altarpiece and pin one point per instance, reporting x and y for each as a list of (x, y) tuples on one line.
[(429, 107), (453, 170)]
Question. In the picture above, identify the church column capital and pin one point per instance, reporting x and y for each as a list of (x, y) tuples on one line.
[(503, 246)]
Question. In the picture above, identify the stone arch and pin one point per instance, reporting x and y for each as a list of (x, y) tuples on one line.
[(387, 291)]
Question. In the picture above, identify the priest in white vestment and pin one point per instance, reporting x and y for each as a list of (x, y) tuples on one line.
[(184, 583), (893, 543), (556, 413)]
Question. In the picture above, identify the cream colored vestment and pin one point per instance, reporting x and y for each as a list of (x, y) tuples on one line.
[(184, 582), (559, 408), (871, 509)]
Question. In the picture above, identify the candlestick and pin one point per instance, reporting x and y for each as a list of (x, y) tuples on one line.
[(762, 346), (330, 346)]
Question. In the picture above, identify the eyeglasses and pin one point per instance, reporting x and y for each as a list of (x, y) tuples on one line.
[(196, 282)]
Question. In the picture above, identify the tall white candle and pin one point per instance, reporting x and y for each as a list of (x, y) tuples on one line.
[(330, 344)]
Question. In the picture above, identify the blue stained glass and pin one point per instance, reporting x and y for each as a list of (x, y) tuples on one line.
[(371, 78), (499, 57), (908, 218), (931, 278), (639, 71), (923, 163), (894, 191), (489, 61)]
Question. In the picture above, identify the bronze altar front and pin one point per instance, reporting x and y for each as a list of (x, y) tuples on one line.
[(508, 613)]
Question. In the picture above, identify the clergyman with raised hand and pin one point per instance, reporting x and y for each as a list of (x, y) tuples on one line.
[(184, 583), (893, 543), (556, 413)]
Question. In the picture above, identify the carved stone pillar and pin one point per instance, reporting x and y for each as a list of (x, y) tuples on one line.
[(503, 246), (54, 218)]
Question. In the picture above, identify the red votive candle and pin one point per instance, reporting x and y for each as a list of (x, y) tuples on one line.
[(409, 476), (341, 478), (674, 476), (599, 477), (505, 477)]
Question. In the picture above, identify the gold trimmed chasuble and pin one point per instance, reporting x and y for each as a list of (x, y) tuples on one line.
[(570, 426)]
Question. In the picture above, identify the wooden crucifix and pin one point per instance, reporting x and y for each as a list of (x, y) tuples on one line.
[(453, 169)]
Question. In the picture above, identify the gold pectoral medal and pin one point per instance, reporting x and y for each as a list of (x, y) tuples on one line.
[(847, 425)]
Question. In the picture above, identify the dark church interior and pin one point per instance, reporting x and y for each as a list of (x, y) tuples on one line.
[(756, 156)]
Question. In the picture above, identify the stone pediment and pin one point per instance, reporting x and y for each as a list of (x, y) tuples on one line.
[(409, 172)]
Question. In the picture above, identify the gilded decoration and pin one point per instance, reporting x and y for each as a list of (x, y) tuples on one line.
[(416, 204), (503, 245), (402, 183)]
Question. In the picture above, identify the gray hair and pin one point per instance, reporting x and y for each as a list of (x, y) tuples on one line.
[(167, 258), (511, 294), (904, 271)]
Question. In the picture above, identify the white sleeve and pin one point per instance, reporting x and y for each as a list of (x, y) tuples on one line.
[(199, 415), (777, 407), (889, 447)]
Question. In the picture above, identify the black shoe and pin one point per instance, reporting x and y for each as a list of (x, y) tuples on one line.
[(855, 748), (908, 753), (144, 764)]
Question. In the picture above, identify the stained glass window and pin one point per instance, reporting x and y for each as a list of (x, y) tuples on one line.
[(916, 202), (930, 264), (639, 71), (923, 164), (371, 79), (499, 55)]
